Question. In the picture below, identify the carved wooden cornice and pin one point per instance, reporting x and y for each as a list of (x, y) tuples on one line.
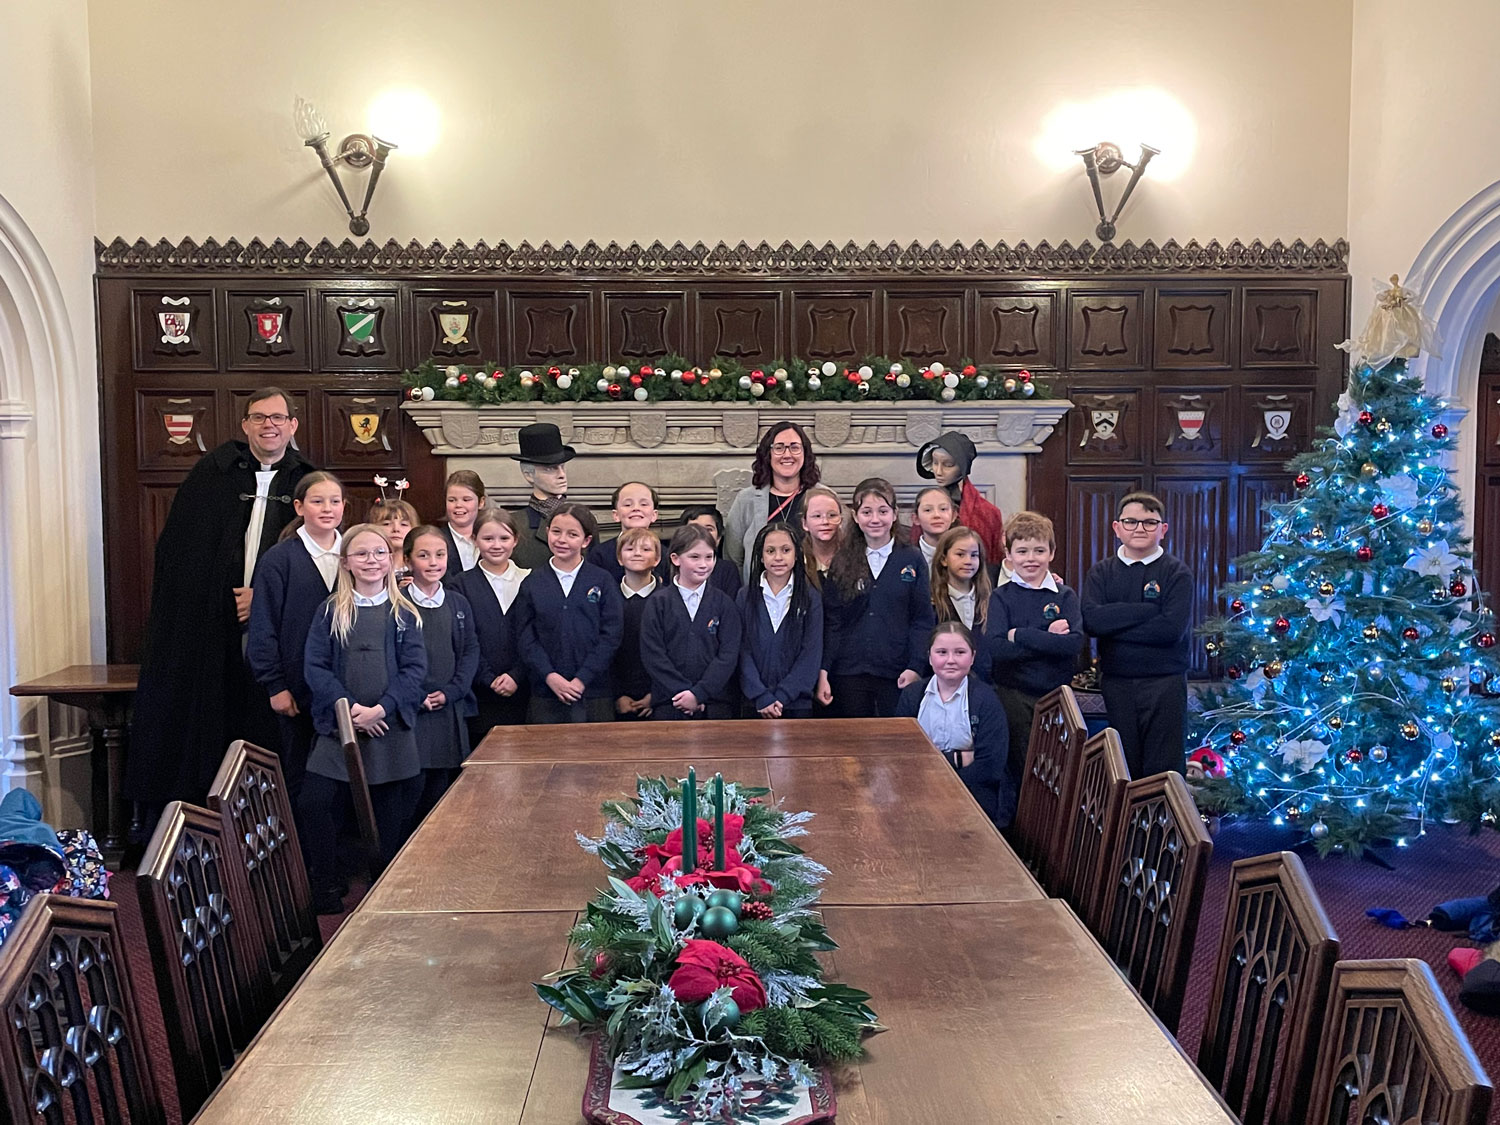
[(699, 260)]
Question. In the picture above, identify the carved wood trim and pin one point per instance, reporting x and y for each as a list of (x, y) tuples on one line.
[(1052, 755), (119, 257)]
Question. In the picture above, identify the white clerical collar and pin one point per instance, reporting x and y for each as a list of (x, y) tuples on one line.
[(644, 592), (379, 599), (313, 549), (1047, 583), (433, 602), (1151, 558)]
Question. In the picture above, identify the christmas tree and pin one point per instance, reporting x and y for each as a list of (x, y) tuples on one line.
[(1358, 651)]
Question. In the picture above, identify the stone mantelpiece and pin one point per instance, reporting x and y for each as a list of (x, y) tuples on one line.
[(698, 453)]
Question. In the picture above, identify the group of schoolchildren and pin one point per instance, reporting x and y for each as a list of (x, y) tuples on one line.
[(435, 634)]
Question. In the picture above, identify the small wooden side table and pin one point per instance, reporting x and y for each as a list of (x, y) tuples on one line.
[(106, 692)]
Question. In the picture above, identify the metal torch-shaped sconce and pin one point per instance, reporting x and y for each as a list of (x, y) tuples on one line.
[(358, 150), (1105, 159)]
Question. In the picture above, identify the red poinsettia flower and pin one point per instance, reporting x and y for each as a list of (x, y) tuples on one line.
[(734, 832), (737, 875), (703, 966)]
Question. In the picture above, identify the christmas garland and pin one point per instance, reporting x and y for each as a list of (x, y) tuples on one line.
[(705, 979), (673, 379)]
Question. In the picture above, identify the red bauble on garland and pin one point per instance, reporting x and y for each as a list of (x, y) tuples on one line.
[(1237, 606), (1365, 418), (462, 379), (970, 371), (613, 390), (1302, 480), (1485, 640), (1379, 510), (1410, 634), (1364, 554), (1458, 589), (1355, 755), (1233, 672), (1024, 375), (1237, 737), (637, 380), (890, 376), (1281, 625), (1440, 431)]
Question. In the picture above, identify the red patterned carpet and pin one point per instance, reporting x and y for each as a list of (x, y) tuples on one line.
[(1447, 863)]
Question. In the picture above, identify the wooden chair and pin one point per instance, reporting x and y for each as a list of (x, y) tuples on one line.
[(71, 1047), (1391, 1051), (1057, 735), (359, 788), (1270, 991), (250, 797), (1155, 891), (212, 969), (1092, 824)]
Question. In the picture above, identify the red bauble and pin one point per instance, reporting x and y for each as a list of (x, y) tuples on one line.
[(1233, 673), (770, 380), (614, 390), (1364, 418), (1410, 634), (1236, 606), (688, 378), (1302, 480), (1024, 376), (602, 963), (554, 371), (853, 376), (1355, 755), (636, 380), (927, 373), (1485, 640), (1281, 624), (970, 371), (645, 369), (463, 379), (890, 376), (1237, 737), (1440, 431), (498, 373), (1364, 554), (757, 376), (1379, 511), (1458, 589)]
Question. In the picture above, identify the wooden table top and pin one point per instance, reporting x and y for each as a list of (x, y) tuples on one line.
[(736, 738), (80, 679)]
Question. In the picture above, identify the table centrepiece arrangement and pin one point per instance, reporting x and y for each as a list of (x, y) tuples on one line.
[(697, 968)]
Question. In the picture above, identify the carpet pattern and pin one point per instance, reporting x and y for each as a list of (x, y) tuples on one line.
[(1446, 863)]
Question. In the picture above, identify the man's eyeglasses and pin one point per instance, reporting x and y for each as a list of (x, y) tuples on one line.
[(1130, 523), (367, 556), (261, 419), (782, 447)]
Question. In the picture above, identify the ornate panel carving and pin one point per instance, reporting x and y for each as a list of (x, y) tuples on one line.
[(549, 328), (361, 430), (1190, 424), (1105, 330), (1017, 329), (359, 330), (1049, 774), (1198, 530), (1276, 422), (1089, 515), (1192, 329), (1104, 427), (455, 326), (743, 326), (835, 325), (174, 429), (267, 330), (1090, 820), (307, 424), (926, 325), (646, 326), (175, 330), (1280, 328)]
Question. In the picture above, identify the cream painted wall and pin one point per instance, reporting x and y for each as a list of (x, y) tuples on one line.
[(642, 119)]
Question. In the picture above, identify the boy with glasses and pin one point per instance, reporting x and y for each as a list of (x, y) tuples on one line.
[(1138, 604)]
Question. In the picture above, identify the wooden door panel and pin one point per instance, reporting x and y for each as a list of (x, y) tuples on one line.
[(1198, 534)]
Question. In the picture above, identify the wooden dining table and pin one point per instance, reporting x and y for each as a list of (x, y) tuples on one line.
[(1000, 1006)]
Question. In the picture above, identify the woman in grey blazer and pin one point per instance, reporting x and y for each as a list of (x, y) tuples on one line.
[(784, 468)]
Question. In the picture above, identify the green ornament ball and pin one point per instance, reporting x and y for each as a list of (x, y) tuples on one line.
[(718, 922), (729, 1015), (731, 901), (687, 911)]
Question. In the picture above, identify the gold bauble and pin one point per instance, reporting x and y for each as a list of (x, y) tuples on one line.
[(1450, 685), (1495, 739), (1409, 731), (1335, 722), (1371, 633), (1211, 647), (1382, 427), (715, 373), (1273, 669), (1268, 591), (1325, 588), (1326, 679), (1317, 533), (1369, 469), (1424, 527)]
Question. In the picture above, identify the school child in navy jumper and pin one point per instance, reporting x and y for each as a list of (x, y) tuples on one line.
[(962, 716), (365, 646), (690, 636), (634, 505), (571, 621), (726, 575), (452, 659), (877, 609), (1138, 603), (463, 500), (500, 692), (292, 581), (782, 620), (1034, 632), (639, 552)]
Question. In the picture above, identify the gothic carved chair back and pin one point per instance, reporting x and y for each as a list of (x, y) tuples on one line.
[(1156, 871), (359, 787), (1270, 991), (251, 798), (1057, 735), (1392, 1052), (212, 970), (1092, 823), (72, 1049)]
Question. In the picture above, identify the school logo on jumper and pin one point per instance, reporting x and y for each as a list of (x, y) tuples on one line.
[(365, 427), (595, 594), (1151, 591), (1051, 611), (179, 428), (361, 323), (270, 322), (713, 626), (908, 574), (455, 321), (175, 319)]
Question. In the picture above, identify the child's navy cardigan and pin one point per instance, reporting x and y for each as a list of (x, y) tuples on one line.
[(575, 636), (781, 665), (405, 664)]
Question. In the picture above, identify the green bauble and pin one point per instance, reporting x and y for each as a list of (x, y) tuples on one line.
[(687, 910), (731, 901), (729, 1015), (718, 922)]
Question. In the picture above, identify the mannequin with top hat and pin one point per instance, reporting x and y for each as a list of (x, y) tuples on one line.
[(543, 457), (947, 460)]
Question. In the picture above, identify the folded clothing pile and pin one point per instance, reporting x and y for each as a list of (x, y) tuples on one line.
[(37, 859)]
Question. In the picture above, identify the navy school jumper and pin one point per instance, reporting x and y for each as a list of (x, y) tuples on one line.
[(627, 674), (697, 654), (781, 665), (289, 591), (985, 776), (726, 575), (883, 629), (576, 636), (498, 633), (460, 691), (1037, 660)]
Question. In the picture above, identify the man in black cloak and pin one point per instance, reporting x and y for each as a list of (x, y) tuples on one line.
[(196, 693)]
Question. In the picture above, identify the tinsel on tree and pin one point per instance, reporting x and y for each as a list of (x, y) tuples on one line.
[(1360, 697)]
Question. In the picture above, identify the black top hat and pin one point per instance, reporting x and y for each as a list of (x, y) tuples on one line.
[(541, 444)]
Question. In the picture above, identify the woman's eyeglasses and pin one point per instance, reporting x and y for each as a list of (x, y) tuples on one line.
[(1130, 523), (783, 447)]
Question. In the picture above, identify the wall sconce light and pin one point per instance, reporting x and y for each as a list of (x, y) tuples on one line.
[(1105, 159), (358, 150)]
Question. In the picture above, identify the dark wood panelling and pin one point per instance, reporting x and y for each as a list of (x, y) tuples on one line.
[(834, 325), (549, 328), (1018, 328), (1275, 421), (358, 330), (1104, 426), (746, 326), (361, 431), (1190, 425), (1090, 512), (646, 325), (1106, 330), (455, 327), (926, 325), (1487, 469), (174, 428), (1198, 532), (1280, 328), (267, 330), (175, 330), (1192, 329), (1255, 491)]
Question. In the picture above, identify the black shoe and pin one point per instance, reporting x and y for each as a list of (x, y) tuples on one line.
[(328, 901)]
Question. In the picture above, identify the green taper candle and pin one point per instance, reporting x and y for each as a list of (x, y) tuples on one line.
[(718, 822), (690, 822)]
